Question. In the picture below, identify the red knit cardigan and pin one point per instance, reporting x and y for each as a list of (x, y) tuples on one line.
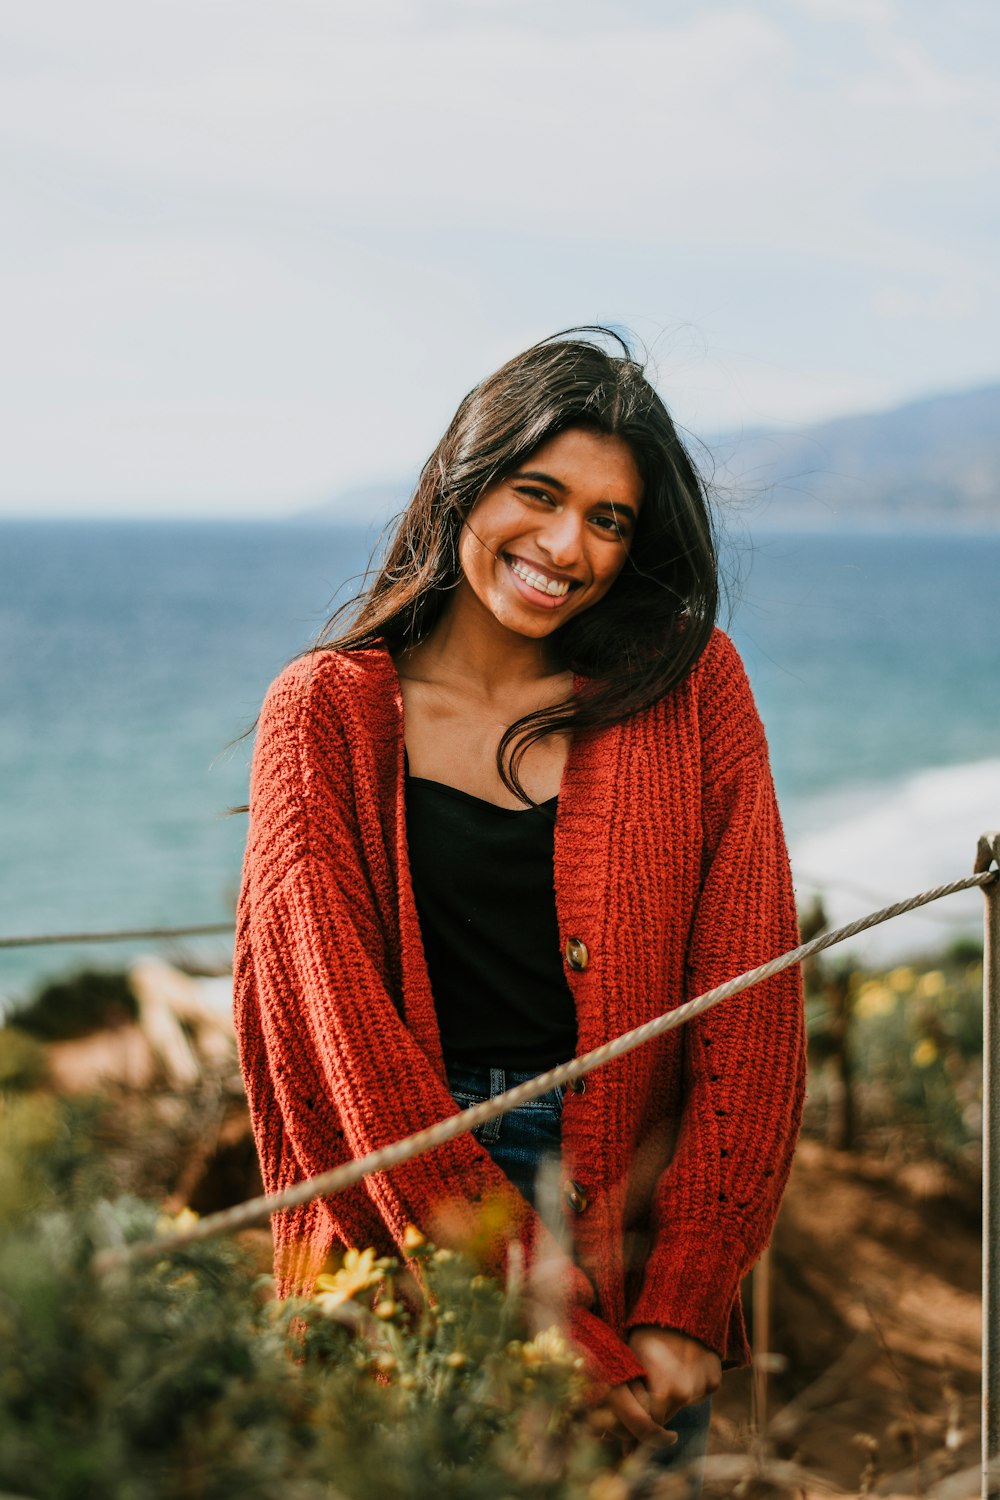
[(669, 866)]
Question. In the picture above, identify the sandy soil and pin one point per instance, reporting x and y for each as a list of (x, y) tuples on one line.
[(875, 1293)]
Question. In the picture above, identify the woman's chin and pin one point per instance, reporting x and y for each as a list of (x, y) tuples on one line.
[(524, 620)]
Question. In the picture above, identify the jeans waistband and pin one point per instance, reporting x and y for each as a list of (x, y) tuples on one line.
[(465, 1078)]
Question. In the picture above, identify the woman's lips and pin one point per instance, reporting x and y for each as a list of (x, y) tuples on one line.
[(539, 587)]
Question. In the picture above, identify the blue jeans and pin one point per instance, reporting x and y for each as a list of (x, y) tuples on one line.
[(518, 1142)]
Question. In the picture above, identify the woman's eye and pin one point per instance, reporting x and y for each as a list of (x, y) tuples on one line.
[(612, 525), (542, 495)]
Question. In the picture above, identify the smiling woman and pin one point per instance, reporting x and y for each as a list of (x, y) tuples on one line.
[(645, 634), (538, 548), (520, 803)]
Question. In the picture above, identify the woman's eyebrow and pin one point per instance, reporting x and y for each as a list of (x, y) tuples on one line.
[(549, 479), (540, 477)]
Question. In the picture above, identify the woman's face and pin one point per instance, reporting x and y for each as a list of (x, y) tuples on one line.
[(549, 540)]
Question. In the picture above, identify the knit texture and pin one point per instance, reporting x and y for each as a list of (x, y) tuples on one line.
[(670, 866)]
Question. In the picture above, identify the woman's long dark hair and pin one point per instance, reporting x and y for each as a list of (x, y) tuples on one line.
[(644, 637)]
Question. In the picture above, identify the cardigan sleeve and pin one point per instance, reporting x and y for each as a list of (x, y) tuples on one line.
[(744, 1060), (332, 1070)]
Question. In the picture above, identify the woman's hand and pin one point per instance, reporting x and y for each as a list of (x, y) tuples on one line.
[(679, 1370), (623, 1414)]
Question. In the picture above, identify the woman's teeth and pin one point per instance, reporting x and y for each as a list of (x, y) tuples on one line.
[(554, 586)]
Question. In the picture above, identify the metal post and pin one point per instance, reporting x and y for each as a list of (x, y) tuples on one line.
[(988, 854)]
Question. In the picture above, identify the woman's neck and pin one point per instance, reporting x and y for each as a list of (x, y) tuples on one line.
[(462, 687), (468, 645)]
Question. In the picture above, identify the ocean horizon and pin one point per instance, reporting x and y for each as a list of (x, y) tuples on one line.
[(136, 653)]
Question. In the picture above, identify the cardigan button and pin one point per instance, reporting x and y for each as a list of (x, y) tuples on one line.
[(576, 953), (576, 1197)]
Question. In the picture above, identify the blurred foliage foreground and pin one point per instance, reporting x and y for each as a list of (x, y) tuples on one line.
[(182, 1379), (896, 1056)]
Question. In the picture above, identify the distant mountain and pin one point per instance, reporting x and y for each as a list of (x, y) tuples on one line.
[(933, 462), (361, 503)]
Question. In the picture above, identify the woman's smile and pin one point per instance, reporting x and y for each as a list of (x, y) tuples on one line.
[(540, 586)]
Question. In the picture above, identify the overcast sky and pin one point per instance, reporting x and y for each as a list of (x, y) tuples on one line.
[(255, 251)]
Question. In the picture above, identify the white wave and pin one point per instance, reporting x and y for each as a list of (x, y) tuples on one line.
[(884, 844)]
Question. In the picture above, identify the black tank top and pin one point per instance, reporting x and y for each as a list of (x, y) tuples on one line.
[(483, 883)]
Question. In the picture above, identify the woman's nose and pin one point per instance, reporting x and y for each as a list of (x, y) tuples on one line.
[(561, 538)]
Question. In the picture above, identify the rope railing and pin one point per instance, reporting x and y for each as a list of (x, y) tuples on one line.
[(212, 929), (256, 1210), (122, 935)]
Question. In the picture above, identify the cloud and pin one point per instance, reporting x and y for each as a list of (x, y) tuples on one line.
[(362, 114), (684, 130), (943, 302), (865, 11), (216, 205)]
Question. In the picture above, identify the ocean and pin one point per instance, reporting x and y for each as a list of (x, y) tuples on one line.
[(134, 656)]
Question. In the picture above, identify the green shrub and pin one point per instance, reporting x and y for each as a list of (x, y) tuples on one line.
[(76, 1005), (179, 1380), (913, 1037)]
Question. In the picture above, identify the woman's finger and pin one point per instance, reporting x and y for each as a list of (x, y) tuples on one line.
[(679, 1370), (629, 1416)]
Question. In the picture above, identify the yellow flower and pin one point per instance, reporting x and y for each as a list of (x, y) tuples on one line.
[(547, 1348), (360, 1270), (931, 985), (176, 1223), (608, 1487), (900, 980), (413, 1240), (924, 1053), (874, 999)]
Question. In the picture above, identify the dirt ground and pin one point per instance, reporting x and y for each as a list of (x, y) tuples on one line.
[(875, 1318)]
